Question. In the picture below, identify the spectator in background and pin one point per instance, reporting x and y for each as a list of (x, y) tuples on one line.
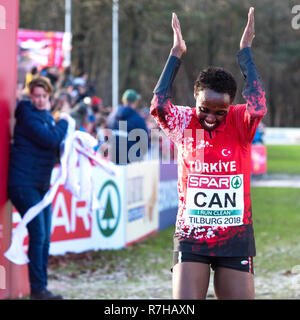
[(33, 153), (258, 138), (62, 102), (102, 134), (52, 73), (80, 89), (25, 65), (67, 78), (79, 113), (74, 95), (131, 119), (89, 86), (97, 105), (34, 73)]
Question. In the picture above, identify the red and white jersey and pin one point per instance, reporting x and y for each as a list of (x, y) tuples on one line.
[(214, 211)]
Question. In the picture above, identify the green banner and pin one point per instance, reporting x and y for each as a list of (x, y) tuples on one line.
[(214, 213)]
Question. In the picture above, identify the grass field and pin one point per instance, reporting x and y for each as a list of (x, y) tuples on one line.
[(283, 159), (276, 218)]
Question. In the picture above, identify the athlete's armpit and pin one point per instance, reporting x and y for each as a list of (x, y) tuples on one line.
[(254, 94), (159, 108)]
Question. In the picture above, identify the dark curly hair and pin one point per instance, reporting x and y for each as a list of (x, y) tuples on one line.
[(216, 79)]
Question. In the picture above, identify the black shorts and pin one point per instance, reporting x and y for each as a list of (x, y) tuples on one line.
[(237, 263)]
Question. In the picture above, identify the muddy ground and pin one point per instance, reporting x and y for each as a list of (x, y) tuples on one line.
[(120, 283)]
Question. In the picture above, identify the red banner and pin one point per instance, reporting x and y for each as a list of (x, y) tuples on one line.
[(13, 279), (70, 218), (43, 48), (258, 159)]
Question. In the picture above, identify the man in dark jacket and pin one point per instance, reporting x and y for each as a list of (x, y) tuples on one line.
[(130, 133), (33, 153)]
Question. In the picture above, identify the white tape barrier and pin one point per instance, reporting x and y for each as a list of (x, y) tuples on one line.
[(77, 146)]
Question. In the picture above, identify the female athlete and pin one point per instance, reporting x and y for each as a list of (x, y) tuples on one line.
[(214, 220)]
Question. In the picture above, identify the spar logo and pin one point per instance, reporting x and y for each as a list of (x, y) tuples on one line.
[(236, 182), (108, 218), (209, 182)]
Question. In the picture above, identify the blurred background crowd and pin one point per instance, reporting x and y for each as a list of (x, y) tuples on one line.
[(72, 94), (76, 95)]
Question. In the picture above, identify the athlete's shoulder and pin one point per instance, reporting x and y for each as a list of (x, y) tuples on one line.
[(187, 109), (237, 108), (176, 119), (178, 111)]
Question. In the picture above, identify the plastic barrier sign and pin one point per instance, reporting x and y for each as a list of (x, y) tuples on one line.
[(142, 200), (258, 159), (76, 229)]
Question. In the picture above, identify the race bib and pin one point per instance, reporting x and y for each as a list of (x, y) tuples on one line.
[(214, 200)]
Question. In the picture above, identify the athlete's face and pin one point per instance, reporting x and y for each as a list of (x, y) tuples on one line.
[(212, 108), (40, 98)]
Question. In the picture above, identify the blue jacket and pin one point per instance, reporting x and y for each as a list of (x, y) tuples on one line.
[(35, 148), (133, 121)]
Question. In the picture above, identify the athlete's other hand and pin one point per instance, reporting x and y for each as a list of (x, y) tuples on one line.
[(179, 47), (249, 32)]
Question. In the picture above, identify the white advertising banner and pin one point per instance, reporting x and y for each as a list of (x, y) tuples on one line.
[(129, 210), (76, 229), (282, 136), (142, 200), (108, 229)]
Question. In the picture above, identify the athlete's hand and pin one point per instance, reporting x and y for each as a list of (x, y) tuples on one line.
[(249, 32), (179, 47)]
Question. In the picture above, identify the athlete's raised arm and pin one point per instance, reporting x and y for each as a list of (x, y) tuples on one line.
[(179, 46), (249, 31), (162, 90), (253, 91)]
